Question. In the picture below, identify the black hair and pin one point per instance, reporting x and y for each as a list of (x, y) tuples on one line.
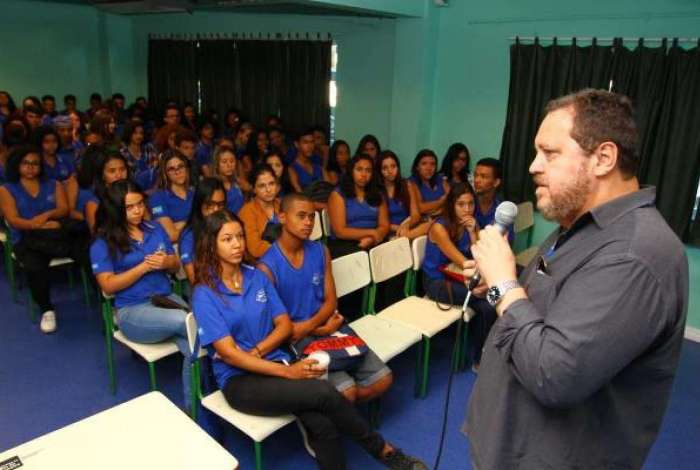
[(252, 149), (129, 129), (306, 131), (448, 209), (259, 170), (332, 163), (96, 97), (492, 163), (118, 96), (41, 132), (400, 187), (11, 106), (293, 197), (414, 167), (207, 264), (35, 102), (88, 164), (15, 132), (17, 154), (48, 97), (373, 195), (102, 158), (110, 221), (69, 97), (285, 183), (451, 155), (33, 109), (202, 195), (363, 141)]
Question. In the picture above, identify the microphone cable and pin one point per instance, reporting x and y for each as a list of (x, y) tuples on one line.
[(453, 365)]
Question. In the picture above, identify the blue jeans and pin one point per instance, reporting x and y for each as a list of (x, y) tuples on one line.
[(479, 326), (146, 323)]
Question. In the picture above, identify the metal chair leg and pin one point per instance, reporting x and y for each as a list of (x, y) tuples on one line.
[(258, 455), (152, 375)]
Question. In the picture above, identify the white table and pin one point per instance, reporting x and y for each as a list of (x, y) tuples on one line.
[(148, 432)]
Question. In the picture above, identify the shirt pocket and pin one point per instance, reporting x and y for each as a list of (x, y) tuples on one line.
[(541, 290)]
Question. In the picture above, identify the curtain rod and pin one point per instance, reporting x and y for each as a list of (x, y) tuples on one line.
[(591, 38), (259, 36)]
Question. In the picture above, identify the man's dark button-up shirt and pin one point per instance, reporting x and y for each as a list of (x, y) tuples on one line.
[(578, 375)]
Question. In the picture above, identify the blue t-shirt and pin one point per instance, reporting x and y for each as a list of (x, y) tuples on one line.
[(140, 164), (301, 290), (234, 199), (489, 217), (398, 212), (185, 246), (203, 153), (434, 257), (427, 193), (28, 206), (146, 179), (306, 178), (246, 317), (165, 203), (85, 196), (359, 214), (61, 171), (152, 283), (72, 153)]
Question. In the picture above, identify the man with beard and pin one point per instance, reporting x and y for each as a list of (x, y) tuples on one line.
[(577, 370)]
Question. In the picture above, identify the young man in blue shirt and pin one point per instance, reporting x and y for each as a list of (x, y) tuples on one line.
[(487, 182), (301, 271)]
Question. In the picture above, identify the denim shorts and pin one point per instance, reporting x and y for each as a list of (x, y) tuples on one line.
[(368, 372)]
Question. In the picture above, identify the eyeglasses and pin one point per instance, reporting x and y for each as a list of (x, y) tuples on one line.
[(34, 163), (175, 169)]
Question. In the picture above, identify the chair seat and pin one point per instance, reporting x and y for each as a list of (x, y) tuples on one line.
[(421, 314), (60, 262), (256, 427), (385, 337), (150, 352)]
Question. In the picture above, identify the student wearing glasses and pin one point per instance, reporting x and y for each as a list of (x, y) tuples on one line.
[(171, 204)]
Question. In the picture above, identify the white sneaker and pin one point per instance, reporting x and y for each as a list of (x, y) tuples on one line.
[(305, 437), (48, 322)]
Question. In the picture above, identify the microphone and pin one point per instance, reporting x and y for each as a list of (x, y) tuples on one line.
[(506, 212)]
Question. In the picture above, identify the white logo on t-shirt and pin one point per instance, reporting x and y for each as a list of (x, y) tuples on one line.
[(316, 279), (261, 296)]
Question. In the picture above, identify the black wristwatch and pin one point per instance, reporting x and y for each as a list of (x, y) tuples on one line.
[(496, 293)]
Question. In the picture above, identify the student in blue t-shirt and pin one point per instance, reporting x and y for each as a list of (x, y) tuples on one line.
[(33, 207), (243, 325), (455, 164), (205, 147), (139, 155), (131, 259), (209, 197), (429, 187), (449, 240), (276, 162), (369, 145), (70, 148), (404, 218), (171, 203), (304, 171), (301, 271), (358, 213), (225, 167), (55, 166), (487, 182), (337, 163)]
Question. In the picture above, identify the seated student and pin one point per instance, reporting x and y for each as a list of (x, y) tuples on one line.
[(404, 218), (205, 147), (232, 119), (104, 123), (140, 155), (260, 214), (70, 146), (55, 166), (171, 203), (321, 147), (224, 166), (338, 159), (276, 162), (35, 207), (240, 144), (95, 105), (32, 115), (303, 171), (357, 211), (449, 239), (48, 103), (487, 181), (429, 187), (278, 139), (258, 147), (369, 145), (186, 144), (189, 117), (243, 326), (209, 197), (131, 258), (455, 164), (301, 271)]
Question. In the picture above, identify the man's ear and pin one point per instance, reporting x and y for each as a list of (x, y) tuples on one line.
[(606, 158), (498, 183), (283, 217)]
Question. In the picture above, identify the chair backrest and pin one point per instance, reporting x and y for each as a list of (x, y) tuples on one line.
[(418, 251), (317, 232), (191, 325), (326, 223), (390, 259), (351, 273), (525, 218)]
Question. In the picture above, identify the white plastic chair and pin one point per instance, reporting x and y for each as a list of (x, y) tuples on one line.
[(258, 428), (420, 314), (326, 223), (317, 232)]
